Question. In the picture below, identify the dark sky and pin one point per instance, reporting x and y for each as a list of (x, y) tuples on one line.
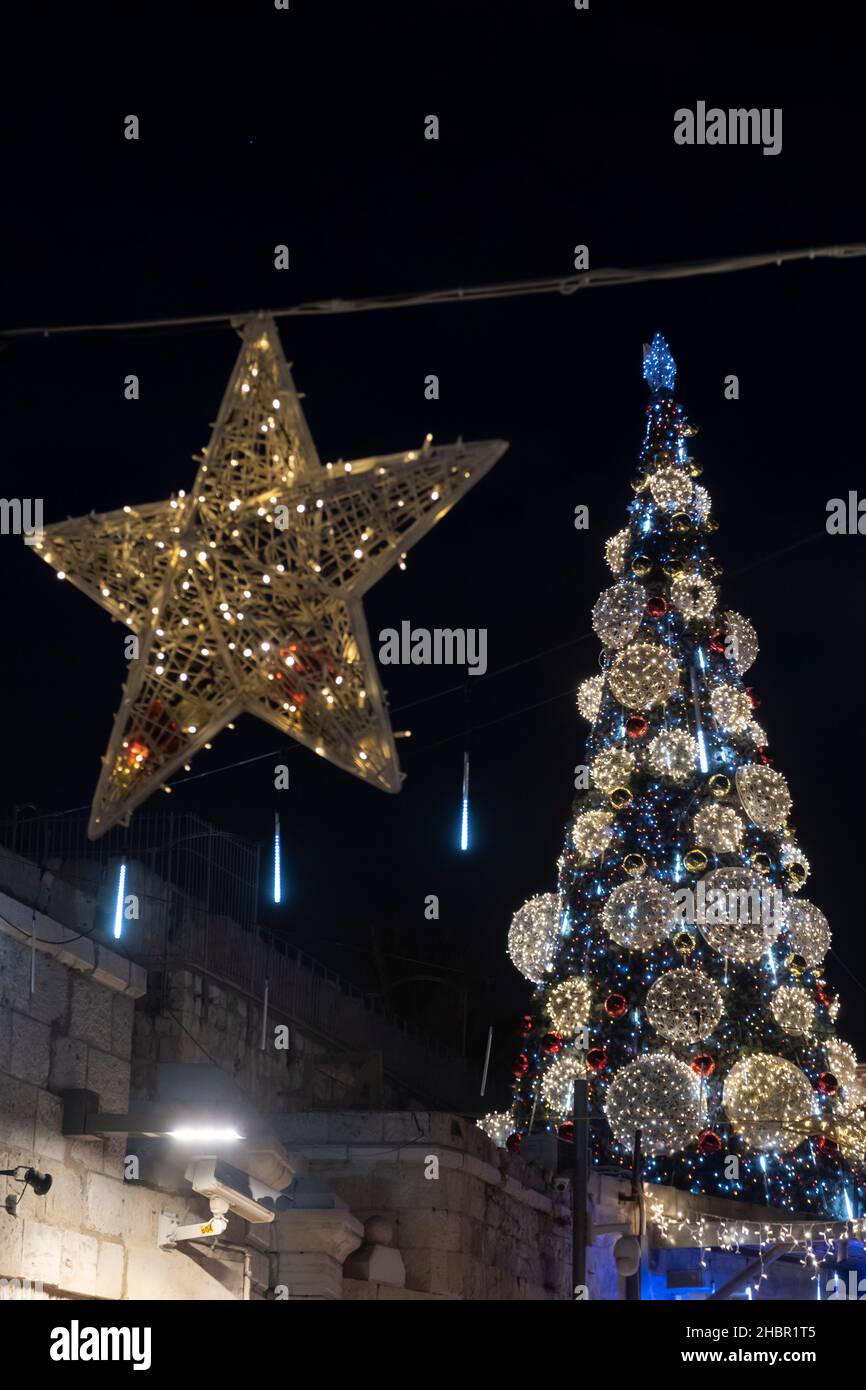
[(261, 127)]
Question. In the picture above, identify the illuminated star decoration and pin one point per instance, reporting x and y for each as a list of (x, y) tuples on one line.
[(246, 593)]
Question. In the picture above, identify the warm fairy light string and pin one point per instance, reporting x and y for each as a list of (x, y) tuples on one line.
[(681, 799)]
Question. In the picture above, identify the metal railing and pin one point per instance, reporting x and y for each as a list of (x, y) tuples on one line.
[(199, 889)]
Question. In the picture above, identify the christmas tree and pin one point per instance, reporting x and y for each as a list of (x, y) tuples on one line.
[(678, 967)]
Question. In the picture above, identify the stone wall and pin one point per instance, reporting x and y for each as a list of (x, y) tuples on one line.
[(93, 1235), (476, 1224)]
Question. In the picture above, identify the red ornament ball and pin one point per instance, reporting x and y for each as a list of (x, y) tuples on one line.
[(616, 1005), (709, 1142), (526, 1024), (717, 643), (827, 995), (636, 726), (566, 1132), (657, 606), (521, 1065), (551, 1044), (827, 1084), (596, 1059), (754, 700), (513, 1143), (826, 1147), (703, 1064)]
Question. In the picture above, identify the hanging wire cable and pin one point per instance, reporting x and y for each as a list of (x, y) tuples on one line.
[(604, 278)]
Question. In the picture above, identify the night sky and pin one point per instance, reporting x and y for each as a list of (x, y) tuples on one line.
[(261, 127)]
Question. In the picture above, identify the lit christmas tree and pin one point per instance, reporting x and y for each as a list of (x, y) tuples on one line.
[(677, 966)]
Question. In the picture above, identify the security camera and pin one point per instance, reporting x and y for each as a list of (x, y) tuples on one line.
[(227, 1185)]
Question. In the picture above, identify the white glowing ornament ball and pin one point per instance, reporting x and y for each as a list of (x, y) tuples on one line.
[(533, 936), (660, 1096), (557, 1086), (589, 694), (793, 1009), (643, 675), (841, 1060), (808, 931), (640, 914), (768, 1101), (671, 488), (612, 768), (615, 549), (732, 708), (591, 833), (569, 1005), (684, 1005), (743, 639), (673, 755), (618, 611), (743, 913), (719, 828), (694, 597), (498, 1125), (764, 794)]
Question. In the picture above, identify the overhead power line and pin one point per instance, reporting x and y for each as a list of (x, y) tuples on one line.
[(511, 289)]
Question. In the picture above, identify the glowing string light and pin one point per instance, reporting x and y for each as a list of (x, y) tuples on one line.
[(278, 889), (464, 806), (118, 906)]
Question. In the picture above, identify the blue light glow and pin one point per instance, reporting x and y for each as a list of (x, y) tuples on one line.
[(464, 806), (118, 907), (659, 367), (278, 888)]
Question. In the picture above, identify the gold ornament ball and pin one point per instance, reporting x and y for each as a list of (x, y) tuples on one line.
[(684, 943), (762, 862), (634, 865), (719, 784), (695, 861), (641, 566), (620, 797)]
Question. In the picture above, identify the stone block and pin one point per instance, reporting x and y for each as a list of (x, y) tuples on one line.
[(14, 973), (170, 1274), (48, 1142), (5, 1037), (104, 1205), (91, 1012), (64, 1203), (397, 1186), (85, 1154), (109, 1270), (122, 1014), (427, 1270), (40, 1254), (109, 1077), (17, 1112), (68, 1064), (30, 1054), (429, 1230), (11, 1239), (50, 999), (78, 1255)]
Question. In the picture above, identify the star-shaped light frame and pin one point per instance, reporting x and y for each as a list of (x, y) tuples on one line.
[(246, 593)]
